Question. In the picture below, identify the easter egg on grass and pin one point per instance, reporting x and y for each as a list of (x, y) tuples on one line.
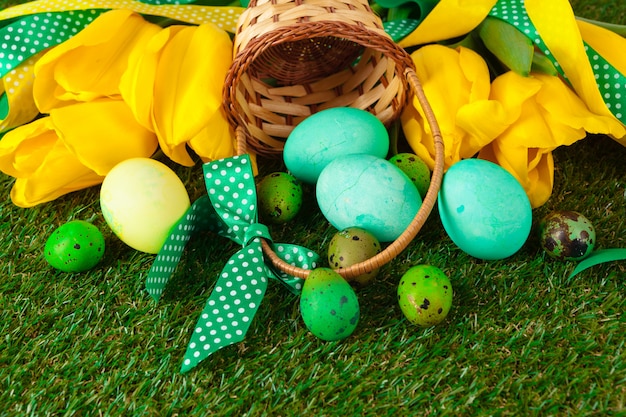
[(365, 191), (425, 295), (352, 246), (141, 199), (75, 246), (484, 209), (415, 168), (327, 134), (279, 197), (567, 235), (328, 305)]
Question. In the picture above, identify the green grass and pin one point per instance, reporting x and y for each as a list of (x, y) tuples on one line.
[(521, 339)]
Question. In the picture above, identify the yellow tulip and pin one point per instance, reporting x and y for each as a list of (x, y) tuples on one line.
[(457, 85), (71, 149), (16, 96), (543, 113), (174, 86), (89, 65)]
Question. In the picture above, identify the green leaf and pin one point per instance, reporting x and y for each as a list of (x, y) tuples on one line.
[(508, 44)]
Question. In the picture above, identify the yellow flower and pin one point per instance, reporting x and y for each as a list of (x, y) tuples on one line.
[(90, 64), (543, 113), (71, 149), (16, 96), (174, 86), (457, 85)]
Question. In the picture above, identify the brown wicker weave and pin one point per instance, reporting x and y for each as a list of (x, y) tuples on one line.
[(295, 58)]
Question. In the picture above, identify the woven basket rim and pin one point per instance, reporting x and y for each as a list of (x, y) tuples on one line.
[(402, 241)]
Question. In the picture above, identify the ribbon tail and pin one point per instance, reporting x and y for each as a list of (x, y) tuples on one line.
[(598, 257), (199, 217), (231, 307)]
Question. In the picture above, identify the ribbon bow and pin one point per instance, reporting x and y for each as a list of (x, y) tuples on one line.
[(230, 210)]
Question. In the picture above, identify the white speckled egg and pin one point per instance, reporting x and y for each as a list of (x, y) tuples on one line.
[(141, 199), (365, 191)]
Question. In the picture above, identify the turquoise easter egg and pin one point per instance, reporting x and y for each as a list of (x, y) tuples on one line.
[(323, 136), (365, 191), (484, 209)]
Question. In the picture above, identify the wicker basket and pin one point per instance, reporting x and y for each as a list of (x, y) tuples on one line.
[(295, 58)]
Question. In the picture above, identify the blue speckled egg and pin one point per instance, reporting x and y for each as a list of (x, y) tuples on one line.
[(365, 191), (323, 136), (328, 305), (484, 209)]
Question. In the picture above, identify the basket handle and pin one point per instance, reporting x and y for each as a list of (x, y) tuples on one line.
[(397, 246)]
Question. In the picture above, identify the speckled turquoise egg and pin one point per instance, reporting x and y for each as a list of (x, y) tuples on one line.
[(425, 295), (484, 209), (323, 136), (328, 305), (365, 191), (567, 235), (280, 197), (352, 246), (415, 168), (75, 246)]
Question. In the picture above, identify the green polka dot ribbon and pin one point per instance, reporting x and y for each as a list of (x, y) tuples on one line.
[(401, 28), (29, 35), (610, 81), (230, 210)]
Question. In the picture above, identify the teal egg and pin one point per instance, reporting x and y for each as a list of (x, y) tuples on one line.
[(484, 209), (279, 197), (75, 246), (365, 191), (425, 295), (323, 136), (567, 235), (328, 305)]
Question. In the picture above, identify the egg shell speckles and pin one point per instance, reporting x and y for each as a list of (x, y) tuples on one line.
[(328, 305), (330, 133), (351, 246), (365, 191), (75, 246), (425, 295), (567, 235), (280, 197), (415, 168)]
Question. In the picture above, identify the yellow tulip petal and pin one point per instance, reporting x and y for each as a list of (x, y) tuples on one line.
[(556, 24), (437, 26), (216, 140), (23, 150), (102, 133), (188, 86), (90, 64), (17, 86)]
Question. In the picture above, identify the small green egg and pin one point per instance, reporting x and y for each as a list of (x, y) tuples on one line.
[(425, 295), (567, 235), (328, 305), (279, 197), (351, 246), (415, 168), (75, 246)]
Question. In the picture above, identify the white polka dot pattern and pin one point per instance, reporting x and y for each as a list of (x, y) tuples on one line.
[(224, 17), (32, 34), (611, 83), (514, 12), (400, 29)]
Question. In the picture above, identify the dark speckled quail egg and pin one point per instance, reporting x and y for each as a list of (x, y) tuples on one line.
[(415, 168), (425, 295), (351, 246), (279, 197), (567, 235), (328, 305)]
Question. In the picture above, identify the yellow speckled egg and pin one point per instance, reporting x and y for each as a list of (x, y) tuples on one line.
[(141, 199)]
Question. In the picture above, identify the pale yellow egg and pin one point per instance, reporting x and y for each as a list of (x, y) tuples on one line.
[(141, 199)]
